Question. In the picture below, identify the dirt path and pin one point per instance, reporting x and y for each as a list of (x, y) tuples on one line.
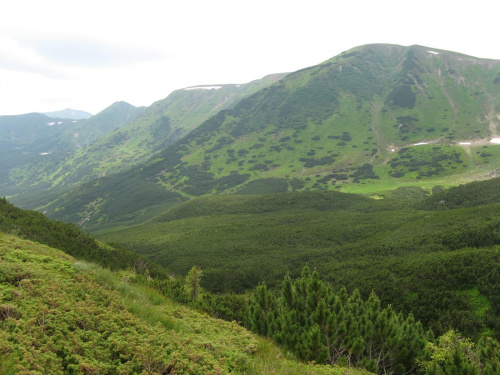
[(375, 125), (494, 118), (450, 100)]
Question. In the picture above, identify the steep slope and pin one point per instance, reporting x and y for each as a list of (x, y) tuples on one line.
[(36, 146), (66, 237), (58, 316), (28, 129), (20, 136), (162, 124), (376, 114), (89, 130)]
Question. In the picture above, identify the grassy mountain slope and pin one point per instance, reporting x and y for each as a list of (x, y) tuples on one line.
[(356, 122), (111, 118), (101, 154), (429, 263), (19, 137), (29, 129), (59, 316), (121, 199), (350, 121), (37, 150)]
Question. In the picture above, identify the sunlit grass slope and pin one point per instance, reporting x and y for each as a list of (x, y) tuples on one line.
[(58, 316)]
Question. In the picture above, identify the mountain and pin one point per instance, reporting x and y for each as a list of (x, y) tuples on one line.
[(103, 146), (29, 129), (20, 137), (36, 145), (69, 113), (372, 118), (89, 130), (377, 115)]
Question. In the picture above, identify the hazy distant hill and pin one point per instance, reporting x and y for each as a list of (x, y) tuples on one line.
[(69, 113), (100, 154), (34, 143), (89, 130), (28, 129)]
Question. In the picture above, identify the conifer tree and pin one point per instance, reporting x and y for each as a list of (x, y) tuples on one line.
[(193, 280)]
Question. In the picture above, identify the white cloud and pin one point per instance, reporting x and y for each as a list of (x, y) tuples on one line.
[(87, 54)]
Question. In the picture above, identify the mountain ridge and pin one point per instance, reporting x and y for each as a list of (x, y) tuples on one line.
[(135, 140), (74, 114), (370, 119)]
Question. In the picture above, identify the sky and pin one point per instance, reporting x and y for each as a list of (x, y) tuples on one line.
[(86, 55)]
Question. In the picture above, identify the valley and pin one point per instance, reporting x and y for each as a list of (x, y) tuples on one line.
[(339, 219)]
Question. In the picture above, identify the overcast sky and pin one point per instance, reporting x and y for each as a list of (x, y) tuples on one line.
[(87, 54)]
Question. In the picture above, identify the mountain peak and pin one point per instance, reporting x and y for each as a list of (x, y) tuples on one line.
[(69, 113)]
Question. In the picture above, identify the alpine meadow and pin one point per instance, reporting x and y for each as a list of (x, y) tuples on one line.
[(340, 219)]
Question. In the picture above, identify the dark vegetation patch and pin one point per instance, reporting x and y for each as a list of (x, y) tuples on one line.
[(313, 162), (497, 79), (363, 173), (406, 124), (402, 96), (423, 162), (264, 186), (201, 182)]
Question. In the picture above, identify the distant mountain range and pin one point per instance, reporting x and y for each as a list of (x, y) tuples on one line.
[(120, 136), (372, 118), (69, 113), (34, 142)]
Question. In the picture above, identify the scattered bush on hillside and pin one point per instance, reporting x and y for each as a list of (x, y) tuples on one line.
[(364, 172), (264, 186), (312, 162), (402, 96)]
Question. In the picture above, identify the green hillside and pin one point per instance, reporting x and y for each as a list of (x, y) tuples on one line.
[(34, 226), (427, 262), (368, 120), (58, 316), (356, 122), (29, 129), (89, 130), (435, 272), (37, 146), (105, 144)]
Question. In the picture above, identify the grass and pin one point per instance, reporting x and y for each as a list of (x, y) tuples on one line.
[(101, 300)]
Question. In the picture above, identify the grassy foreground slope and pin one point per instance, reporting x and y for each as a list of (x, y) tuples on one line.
[(59, 316), (34, 226)]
